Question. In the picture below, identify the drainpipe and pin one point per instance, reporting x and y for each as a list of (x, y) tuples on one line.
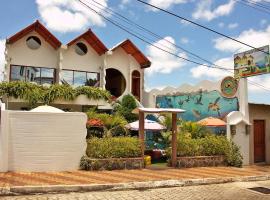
[(60, 64)]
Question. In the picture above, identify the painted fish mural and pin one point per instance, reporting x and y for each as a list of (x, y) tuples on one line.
[(199, 105)]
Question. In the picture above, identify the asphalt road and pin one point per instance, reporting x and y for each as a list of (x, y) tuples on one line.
[(228, 191)]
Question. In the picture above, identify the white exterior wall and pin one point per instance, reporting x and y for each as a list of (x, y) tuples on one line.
[(19, 53), (32, 141), (126, 64), (90, 62)]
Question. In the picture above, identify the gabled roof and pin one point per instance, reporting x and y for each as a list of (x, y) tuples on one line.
[(92, 40), (41, 30), (131, 49)]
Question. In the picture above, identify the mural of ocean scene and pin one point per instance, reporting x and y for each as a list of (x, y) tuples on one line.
[(199, 105)]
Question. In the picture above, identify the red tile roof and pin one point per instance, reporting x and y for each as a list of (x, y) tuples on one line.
[(92, 40), (131, 49), (41, 30)]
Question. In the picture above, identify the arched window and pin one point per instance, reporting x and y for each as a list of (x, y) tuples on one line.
[(136, 84)]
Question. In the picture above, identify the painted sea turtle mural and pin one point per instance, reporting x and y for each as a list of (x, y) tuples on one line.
[(199, 105)]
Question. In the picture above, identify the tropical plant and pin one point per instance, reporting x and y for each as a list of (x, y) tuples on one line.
[(114, 125), (33, 93), (194, 129), (125, 108)]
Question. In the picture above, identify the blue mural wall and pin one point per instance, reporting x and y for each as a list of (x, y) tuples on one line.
[(199, 105)]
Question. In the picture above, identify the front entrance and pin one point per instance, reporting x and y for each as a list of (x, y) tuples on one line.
[(115, 82), (259, 141)]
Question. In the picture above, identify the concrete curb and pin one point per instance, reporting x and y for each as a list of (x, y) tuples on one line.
[(16, 190)]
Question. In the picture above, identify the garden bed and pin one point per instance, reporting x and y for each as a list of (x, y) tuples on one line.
[(199, 161), (92, 164)]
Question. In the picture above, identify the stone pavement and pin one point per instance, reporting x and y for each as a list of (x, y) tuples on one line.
[(228, 191), (13, 179)]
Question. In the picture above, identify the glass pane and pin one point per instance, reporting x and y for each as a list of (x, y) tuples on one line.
[(67, 77), (33, 74), (17, 73), (92, 79), (47, 76), (79, 78)]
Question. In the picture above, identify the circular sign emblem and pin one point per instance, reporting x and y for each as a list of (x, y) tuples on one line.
[(229, 87)]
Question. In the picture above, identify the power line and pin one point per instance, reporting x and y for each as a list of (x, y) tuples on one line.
[(202, 26), (153, 34), (126, 29), (251, 6), (257, 4), (131, 33), (119, 16)]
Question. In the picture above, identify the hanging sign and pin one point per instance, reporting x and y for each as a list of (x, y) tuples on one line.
[(251, 63), (229, 87)]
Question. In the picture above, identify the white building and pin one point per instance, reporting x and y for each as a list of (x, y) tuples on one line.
[(36, 55)]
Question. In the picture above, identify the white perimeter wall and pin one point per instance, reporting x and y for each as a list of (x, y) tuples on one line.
[(32, 141)]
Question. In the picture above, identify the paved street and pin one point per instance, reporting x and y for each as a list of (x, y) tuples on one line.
[(221, 191)]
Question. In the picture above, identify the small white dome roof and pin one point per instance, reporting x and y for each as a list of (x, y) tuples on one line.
[(48, 109)]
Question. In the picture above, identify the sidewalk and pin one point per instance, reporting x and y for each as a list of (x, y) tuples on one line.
[(126, 179)]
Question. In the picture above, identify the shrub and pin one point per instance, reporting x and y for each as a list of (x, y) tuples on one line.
[(210, 145), (113, 147), (233, 155)]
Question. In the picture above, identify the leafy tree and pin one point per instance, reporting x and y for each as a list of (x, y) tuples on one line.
[(125, 108)]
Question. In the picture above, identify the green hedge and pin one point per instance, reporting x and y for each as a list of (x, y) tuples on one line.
[(113, 147), (33, 93), (211, 145)]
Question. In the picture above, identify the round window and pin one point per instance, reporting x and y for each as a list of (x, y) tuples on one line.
[(81, 48), (33, 42)]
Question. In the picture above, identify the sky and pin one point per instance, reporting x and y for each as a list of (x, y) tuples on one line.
[(67, 19)]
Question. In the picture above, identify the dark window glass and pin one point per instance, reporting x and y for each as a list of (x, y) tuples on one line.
[(79, 78), (33, 74), (47, 76), (33, 42), (38, 75), (92, 79), (17, 73), (81, 48), (67, 77)]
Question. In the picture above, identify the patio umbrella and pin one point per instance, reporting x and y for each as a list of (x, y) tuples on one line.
[(148, 125), (212, 121)]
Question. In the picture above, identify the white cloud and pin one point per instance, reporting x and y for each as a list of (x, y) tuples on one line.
[(202, 71), (184, 40), (232, 25), (217, 74), (204, 10), (221, 24), (163, 62), (263, 80), (165, 3), (123, 4), (263, 22), (69, 16), (252, 37), (2, 58)]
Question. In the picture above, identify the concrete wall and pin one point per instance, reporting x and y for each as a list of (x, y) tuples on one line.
[(126, 64), (20, 54), (90, 62), (260, 112), (32, 141)]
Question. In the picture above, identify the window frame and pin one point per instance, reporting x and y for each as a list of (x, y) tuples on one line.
[(27, 66), (73, 70)]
